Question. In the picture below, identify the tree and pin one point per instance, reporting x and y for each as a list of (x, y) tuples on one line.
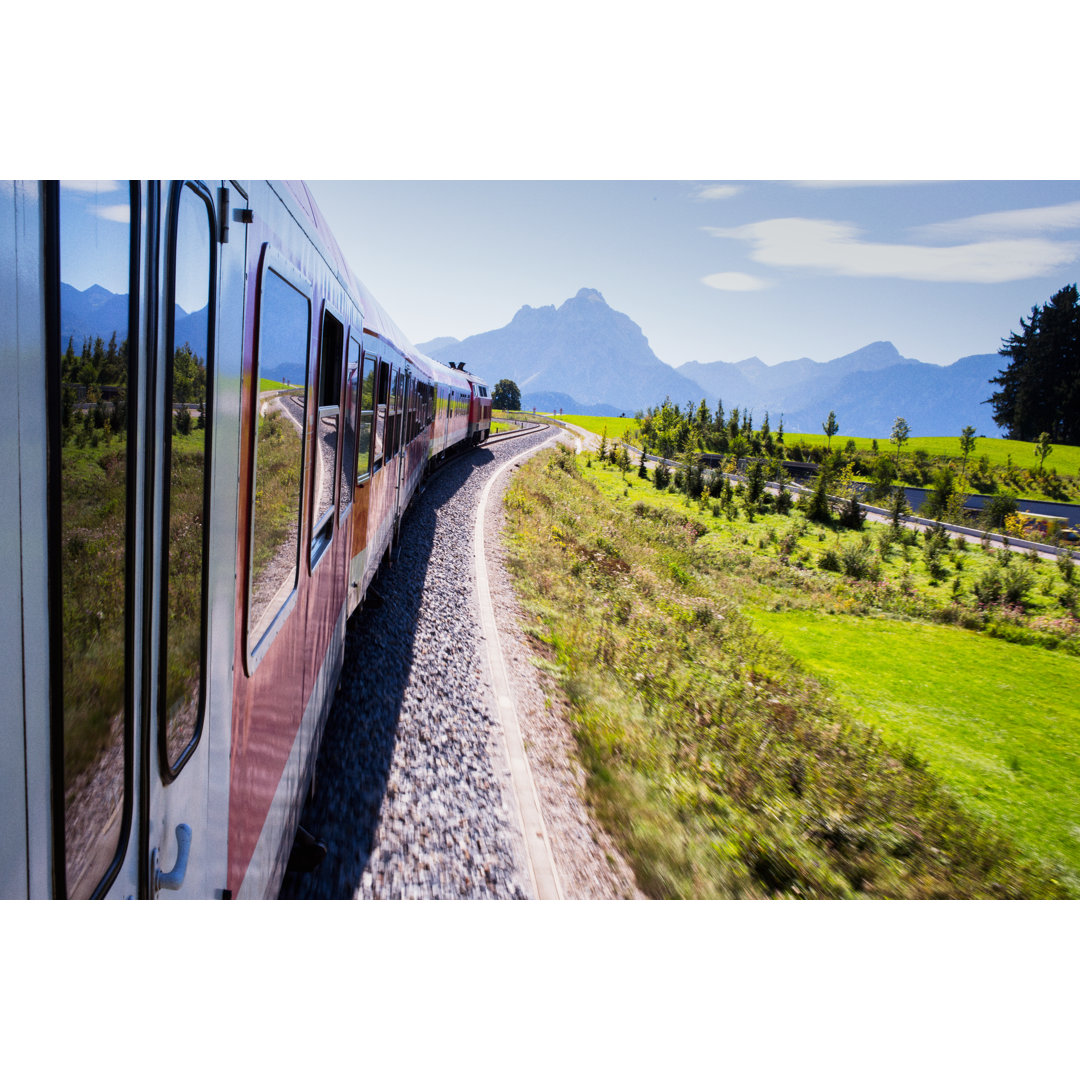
[(506, 395), (967, 444), (1043, 449), (1040, 389), (900, 435), (816, 507), (830, 427)]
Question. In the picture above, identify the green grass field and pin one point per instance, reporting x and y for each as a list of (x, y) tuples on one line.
[(999, 723), (616, 426), (724, 764), (271, 384), (1066, 459)]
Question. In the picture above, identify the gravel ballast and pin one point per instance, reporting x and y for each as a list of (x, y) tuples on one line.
[(413, 796)]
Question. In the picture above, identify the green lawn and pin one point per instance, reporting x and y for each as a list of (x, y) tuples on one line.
[(271, 384), (999, 723), (1066, 459), (615, 426)]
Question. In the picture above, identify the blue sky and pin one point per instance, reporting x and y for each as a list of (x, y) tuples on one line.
[(711, 270), (719, 270)]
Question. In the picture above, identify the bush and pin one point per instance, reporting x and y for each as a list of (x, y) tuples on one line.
[(852, 515), (858, 563), (661, 475), (829, 559), (997, 509), (987, 586), (816, 507)]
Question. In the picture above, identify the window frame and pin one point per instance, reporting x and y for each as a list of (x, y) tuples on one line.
[(361, 478), (169, 771), (321, 532), (350, 411), (52, 224), (255, 649)]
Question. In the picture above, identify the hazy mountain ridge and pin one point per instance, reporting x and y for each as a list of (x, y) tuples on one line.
[(598, 361), (98, 313), (585, 357), (867, 389), (594, 356)]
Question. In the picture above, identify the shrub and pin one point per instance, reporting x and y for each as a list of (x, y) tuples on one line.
[(1016, 584), (858, 563), (661, 475), (988, 587), (852, 515), (829, 559), (997, 509), (816, 507)]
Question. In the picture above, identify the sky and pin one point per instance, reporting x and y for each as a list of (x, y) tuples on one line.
[(710, 270), (719, 270)]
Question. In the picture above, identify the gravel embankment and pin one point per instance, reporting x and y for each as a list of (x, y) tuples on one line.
[(412, 792)]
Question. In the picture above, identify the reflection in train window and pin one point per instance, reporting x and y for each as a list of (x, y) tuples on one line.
[(91, 528), (284, 333), (186, 460), (348, 425), (367, 406), (382, 398), (328, 409)]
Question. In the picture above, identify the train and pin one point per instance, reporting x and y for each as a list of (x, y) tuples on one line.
[(199, 491)]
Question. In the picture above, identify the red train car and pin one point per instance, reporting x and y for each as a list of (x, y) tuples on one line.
[(190, 543)]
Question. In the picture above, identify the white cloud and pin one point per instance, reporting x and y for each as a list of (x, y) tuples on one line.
[(1036, 219), (855, 183), (91, 187), (719, 191), (733, 281), (836, 247), (121, 212)]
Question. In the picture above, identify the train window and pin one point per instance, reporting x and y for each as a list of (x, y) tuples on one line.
[(367, 406), (284, 336), (382, 399), (410, 397), (329, 410), (185, 468), (348, 424), (398, 410), (92, 381)]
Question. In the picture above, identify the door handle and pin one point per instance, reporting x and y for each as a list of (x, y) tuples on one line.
[(174, 878)]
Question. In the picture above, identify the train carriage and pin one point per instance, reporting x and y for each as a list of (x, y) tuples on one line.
[(190, 543)]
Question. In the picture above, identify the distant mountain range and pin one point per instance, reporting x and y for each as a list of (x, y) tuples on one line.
[(98, 313), (584, 357)]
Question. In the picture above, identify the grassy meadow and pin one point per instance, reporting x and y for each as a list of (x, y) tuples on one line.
[(1001, 452), (771, 707)]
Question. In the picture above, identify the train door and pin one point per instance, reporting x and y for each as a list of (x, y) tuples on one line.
[(193, 435), (405, 383)]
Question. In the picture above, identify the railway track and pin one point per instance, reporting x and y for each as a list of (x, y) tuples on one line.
[(422, 788)]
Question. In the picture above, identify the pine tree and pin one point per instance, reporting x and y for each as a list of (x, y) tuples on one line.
[(1040, 389), (830, 427), (817, 507)]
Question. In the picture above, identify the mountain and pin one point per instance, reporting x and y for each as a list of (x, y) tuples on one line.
[(430, 348), (585, 357), (98, 313), (867, 389), (93, 313), (595, 358)]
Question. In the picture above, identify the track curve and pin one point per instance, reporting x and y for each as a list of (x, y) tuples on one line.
[(413, 797)]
